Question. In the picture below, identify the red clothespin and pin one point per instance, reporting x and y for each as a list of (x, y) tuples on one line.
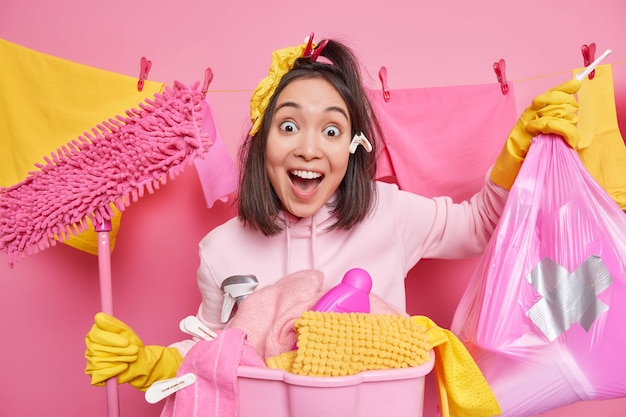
[(589, 55), (313, 53), (208, 77), (382, 74), (144, 69), (318, 50), (500, 68), (309, 46)]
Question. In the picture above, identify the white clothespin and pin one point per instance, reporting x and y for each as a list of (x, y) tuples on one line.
[(360, 139), (166, 387), (192, 326)]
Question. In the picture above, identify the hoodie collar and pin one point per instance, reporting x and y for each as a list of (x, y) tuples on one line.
[(318, 222), (308, 227)]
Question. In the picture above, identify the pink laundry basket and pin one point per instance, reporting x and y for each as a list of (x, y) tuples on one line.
[(267, 392)]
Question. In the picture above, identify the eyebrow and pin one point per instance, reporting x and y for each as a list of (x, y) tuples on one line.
[(299, 107)]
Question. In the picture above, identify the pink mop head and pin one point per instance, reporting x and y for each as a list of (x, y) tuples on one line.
[(116, 162)]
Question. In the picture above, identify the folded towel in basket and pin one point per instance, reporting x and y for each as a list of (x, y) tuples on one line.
[(214, 363), (335, 344), (267, 316)]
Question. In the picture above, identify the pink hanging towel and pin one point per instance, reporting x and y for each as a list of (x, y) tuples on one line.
[(216, 169), (442, 140), (214, 363), (543, 315)]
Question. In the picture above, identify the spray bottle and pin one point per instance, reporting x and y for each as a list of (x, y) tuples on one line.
[(236, 288)]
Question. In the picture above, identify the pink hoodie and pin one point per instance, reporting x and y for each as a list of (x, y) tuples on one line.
[(402, 229)]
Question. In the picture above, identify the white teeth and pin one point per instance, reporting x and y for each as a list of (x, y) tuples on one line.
[(307, 175)]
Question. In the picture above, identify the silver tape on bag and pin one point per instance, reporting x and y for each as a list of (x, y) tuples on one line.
[(568, 297)]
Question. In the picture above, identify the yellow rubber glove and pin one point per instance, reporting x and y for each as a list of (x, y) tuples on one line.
[(114, 349), (551, 112)]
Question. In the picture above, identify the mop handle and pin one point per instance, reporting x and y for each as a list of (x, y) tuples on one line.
[(106, 302)]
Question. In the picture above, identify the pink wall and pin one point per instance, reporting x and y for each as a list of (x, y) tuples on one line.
[(47, 301)]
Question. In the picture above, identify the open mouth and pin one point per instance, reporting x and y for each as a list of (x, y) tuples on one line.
[(305, 181)]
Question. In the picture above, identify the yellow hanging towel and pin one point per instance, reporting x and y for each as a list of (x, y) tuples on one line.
[(45, 102), (337, 344), (602, 151)]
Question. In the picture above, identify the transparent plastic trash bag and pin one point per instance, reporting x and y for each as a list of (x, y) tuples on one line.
[(544, 315)]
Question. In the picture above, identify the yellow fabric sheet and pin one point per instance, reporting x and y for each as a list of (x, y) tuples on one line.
[(602, 147), (45, 102)]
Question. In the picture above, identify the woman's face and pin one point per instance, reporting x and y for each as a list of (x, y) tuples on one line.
[(308, 145)]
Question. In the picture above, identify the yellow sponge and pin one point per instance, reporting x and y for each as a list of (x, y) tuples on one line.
[(339, 344)]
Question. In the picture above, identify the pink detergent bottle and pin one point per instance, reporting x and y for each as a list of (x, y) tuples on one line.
[(351, 295)]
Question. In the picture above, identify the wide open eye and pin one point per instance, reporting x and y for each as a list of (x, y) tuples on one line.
[(332, 131), (288, 127)]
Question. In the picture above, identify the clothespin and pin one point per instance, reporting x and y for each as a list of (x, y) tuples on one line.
[(208, 77), (500, 68), (309, 46), (144, 69), (194, 327), (590, 68), (360, 139), (589, 53), (311, 53), (382, 74), (163, 388), (318, 50)]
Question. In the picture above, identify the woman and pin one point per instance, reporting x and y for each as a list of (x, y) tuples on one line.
[(308, 199)]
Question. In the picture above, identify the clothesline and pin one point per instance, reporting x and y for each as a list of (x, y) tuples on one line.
[(522, 80), (538, 77)]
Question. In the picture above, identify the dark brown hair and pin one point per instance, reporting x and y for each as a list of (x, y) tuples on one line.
[(258, 204)]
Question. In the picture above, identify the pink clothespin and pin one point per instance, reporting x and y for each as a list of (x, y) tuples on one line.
[(208, 77), (589, 53), (500, 69), (591, 67), (144, 69), (382, 74)]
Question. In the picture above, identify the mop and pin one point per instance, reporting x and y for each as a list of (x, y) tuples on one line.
[(109, 167), (113, 164)]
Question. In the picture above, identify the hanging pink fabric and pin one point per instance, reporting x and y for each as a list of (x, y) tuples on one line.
[(543, 315), (216, 170), (442, 140)]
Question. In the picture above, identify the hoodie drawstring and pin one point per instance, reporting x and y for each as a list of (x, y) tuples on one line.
[(288, 260), (314, 242), (313, 245)]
